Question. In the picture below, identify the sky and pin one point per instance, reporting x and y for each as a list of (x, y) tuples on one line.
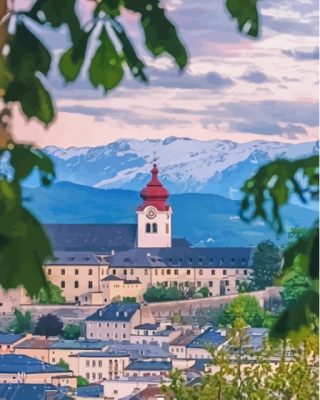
[(234, 87)]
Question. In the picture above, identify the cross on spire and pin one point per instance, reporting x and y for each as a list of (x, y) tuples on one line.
[(155, 158)]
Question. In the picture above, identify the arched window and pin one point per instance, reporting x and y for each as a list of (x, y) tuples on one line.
[(155, 228), (148, 228)]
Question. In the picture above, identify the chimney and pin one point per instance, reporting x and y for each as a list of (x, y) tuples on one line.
[(100, 313), (113, 252)]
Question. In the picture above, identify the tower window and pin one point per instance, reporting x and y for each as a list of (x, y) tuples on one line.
[(167, 228), (155, 228), (148, 228)]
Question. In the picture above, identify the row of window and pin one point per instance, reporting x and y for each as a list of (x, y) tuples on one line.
[(107, 336), (175, 272), (146, 272), (94, 376), (112, 363), (76, 284), (76, 271)]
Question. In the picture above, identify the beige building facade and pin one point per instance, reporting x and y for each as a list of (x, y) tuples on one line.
[(96, 366)]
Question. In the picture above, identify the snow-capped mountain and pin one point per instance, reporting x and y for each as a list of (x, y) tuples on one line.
[(186, 165)]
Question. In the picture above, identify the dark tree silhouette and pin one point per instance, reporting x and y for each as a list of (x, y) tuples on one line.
[(267, 263), (48, 325)]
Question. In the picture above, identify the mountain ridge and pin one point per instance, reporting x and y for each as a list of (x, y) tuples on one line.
[(204, 219), (186, 165)]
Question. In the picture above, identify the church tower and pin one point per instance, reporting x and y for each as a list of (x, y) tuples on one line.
[(154, 215)]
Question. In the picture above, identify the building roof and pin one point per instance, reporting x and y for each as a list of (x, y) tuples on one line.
[(10, 338), (90, 391), (257, 335), (36, 343), (76, 258), (17, 363), (148, 327), (210, 337), (112, 278), (25, 391), (174, 257), (91, 237), (148, 393), (139, 365), (154, 194), (184, 339), (132, 282), (81, 344), (115, 312), (138, 351), (200, 365), (101, 354)]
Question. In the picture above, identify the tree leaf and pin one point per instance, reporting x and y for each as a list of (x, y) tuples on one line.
[(24, 158), (71, 61), (57, 13), (246, 14), (106, 66), (23, 255), (135, 64), (296, 319), (160, 34), (34, 99), (27, 55), (110, 7)]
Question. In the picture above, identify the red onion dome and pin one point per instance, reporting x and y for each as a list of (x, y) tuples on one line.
[(154, 194)]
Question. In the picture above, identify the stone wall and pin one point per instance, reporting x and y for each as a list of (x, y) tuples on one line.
[(189, 307), (76, 314)]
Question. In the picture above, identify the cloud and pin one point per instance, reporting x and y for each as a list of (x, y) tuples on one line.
[(171, 78), (269, 128), (255, 77), (302, 55), (102, 114), (268, 117)]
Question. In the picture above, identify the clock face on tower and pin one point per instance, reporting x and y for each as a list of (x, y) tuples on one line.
[(151, 213)]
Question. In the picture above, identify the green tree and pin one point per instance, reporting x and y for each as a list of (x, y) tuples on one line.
[(162, 293), (22, 322), (25, 65), (71, 332), (232, 377), (63, 364), (265, 194), (244, 307), (48, 325), (266, 264), (81, 381), (52, 294), (204, 291), (129, 300), (295, 284)]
